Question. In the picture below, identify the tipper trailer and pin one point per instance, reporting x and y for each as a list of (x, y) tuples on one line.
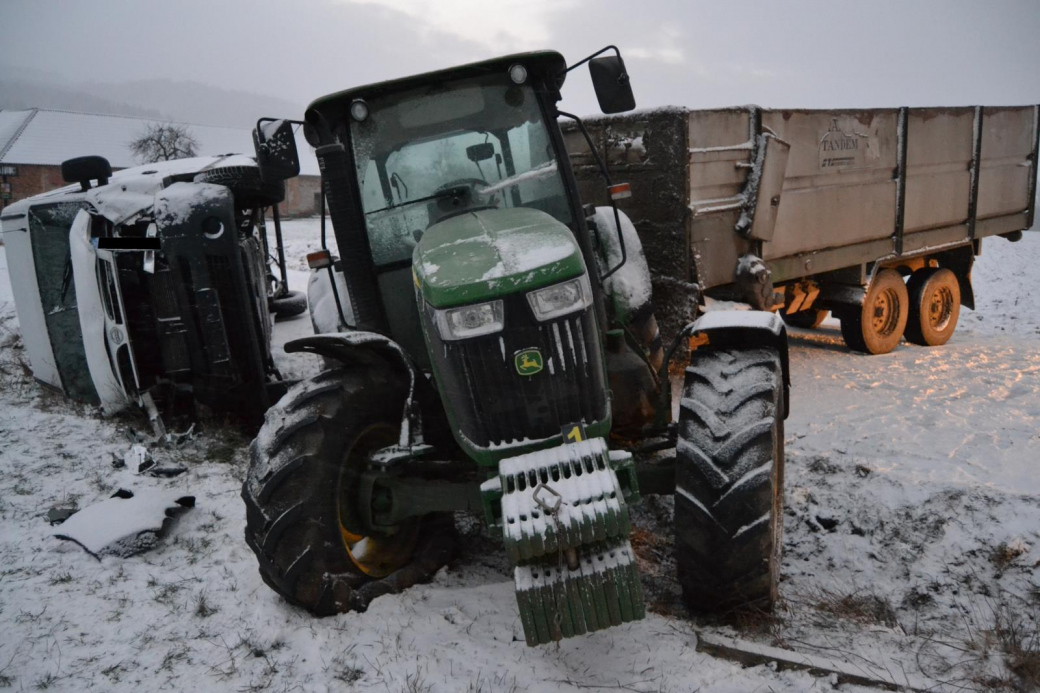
[(809, 211)]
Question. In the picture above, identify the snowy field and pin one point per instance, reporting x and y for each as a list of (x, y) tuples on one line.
[(912, 542)]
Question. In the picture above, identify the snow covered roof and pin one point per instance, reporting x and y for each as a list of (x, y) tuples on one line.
[(45, 137)]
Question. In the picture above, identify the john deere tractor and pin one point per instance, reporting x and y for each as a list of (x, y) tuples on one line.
[(491, 348)]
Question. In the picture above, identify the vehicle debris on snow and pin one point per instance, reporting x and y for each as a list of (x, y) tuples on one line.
[(126, 524)]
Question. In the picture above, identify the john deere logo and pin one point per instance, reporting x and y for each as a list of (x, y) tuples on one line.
[(528, 362)]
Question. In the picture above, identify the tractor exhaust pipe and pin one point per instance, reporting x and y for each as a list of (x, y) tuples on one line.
[(336, 164)]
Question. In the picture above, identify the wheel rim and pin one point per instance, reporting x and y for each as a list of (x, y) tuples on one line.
[(940, 308), (376, 555), (885, 317)]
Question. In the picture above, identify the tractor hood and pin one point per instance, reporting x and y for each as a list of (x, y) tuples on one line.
[(488, 253)]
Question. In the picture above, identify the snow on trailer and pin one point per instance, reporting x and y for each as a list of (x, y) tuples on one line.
[(825, 202)]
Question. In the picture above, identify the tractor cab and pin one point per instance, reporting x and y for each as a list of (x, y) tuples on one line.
[(469, 244)]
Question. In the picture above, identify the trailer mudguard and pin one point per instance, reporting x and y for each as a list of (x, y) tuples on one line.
[(743, 329)]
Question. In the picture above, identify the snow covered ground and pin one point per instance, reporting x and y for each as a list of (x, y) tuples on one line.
[(912, 541)]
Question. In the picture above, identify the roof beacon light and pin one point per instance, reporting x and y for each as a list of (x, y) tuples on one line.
[(518, 73), (358, 110)]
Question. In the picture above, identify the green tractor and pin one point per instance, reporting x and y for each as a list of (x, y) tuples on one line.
[(491, 348)]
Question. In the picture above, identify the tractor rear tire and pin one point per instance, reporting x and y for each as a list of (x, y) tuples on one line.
[(877, 326), (805, 319), (935, 305), (729, 481), (245, 184), (289, 305), (299, 519)]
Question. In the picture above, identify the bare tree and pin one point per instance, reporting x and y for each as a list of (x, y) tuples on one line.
[(164, 141)]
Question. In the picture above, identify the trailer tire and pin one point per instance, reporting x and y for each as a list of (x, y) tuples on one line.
[(295, 493), (245, 185), (729, 480), (877, 326), (935, 303), (290, 304), (806, 319)]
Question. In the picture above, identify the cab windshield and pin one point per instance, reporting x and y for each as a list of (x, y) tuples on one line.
[(433, 152)]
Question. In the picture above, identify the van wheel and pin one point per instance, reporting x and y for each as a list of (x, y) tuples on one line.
[(292, 303), (729, 480), (935, 304), (877, 326), (245, 184)]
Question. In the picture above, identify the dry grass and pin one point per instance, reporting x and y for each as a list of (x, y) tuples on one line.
[(1018, 639), (857, 606), (1005, 554), (998, 648)]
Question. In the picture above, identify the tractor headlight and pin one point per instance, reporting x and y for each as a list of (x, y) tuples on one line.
[(470, 321), (561, 299)]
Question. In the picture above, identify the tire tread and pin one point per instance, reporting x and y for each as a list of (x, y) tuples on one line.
[(730, 418)]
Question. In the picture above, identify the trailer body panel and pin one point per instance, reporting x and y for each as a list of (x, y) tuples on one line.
[(860, 186)]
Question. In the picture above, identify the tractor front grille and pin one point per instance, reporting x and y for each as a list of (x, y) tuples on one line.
[(494, 405)]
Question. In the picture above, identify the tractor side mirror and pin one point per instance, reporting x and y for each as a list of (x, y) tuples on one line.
[(480, 152), (612, 85), (276, 154)]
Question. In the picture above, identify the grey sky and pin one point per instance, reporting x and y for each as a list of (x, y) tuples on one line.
[(698, 54)]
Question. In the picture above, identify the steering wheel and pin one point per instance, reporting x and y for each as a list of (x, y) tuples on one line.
[(468, 198)]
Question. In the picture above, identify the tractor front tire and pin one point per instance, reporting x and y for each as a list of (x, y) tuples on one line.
[(300, 521), (729, 481)]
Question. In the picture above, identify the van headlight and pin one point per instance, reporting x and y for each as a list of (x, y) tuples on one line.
[(470, 321), (561, 299)]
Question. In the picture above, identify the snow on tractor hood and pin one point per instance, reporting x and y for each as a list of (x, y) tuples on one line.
[(487, 253)]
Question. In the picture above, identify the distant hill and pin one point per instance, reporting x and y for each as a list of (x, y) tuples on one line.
[(17, 94), (193, 102), (161, 99)]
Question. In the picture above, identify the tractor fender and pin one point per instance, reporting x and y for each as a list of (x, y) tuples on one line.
[(744, 329), (358, 348)]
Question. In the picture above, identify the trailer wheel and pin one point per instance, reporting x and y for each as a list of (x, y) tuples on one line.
[(729, 480), (245, 184), (805, 319), (935, 304), (291, 304), (302, 521), (877, 326)]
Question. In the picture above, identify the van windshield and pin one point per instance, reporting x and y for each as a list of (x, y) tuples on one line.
[(429, 153)]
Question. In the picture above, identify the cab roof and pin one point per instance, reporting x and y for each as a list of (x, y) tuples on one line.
[(540, 63)]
